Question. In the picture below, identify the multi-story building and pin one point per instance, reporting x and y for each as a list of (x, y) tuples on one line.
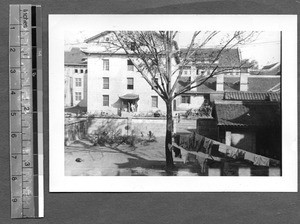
[(235, 78), (114, 85), (75, 78)]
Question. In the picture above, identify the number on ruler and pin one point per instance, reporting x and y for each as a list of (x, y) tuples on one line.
[(14, 178), (13, 71), (14, 200), (27, 163), (13, 135), (14, 157), (12, 49), (13, 114), (13, 92)]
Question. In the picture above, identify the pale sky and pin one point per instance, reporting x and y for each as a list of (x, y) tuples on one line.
[(265, 49)]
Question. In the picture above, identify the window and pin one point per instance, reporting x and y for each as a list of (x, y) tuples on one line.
[(105, 100), (86, 71), (81, 70), (132, 46), (105, 83), (129, 83), (189, 79), (78, 96), (186, 99), (130, 66), (78, 82), (105, 64), (76, 70), (154, 101), (154, 82), (200, 72), (186, 72)]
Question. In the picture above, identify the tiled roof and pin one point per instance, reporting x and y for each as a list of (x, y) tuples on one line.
[(269, 66), (247, 114), (274, 69), (75, 56), (256, 84), (246, 96), (262, 83), (227, 58), (97, 36)]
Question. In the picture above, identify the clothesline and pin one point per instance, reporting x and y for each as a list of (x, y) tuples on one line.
[(199, 143)]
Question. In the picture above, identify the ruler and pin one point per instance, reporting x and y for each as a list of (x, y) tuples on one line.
[(26, 106)]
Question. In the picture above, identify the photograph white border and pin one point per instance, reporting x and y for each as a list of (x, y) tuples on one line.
[(59, 24)]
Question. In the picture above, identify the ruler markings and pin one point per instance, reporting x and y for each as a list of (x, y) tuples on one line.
[(22, 44)]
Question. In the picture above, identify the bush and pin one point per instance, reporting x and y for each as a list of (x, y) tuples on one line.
[(204, 111)]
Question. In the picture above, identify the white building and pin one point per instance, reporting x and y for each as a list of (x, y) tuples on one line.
[(114, 85), (75, 74)]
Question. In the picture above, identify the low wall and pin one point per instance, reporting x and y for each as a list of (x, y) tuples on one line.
[(155, 125), (124, 126), (75, 130)]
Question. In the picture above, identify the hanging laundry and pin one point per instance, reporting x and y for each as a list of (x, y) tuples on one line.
[(274, 163), (261, 161), (232, 152), (249, 156), (207, 145), (199, 141), (202, 162), (241, 154), (177, 152), (223, 148), (184, 141)]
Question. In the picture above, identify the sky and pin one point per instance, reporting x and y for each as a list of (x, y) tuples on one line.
[(265, 48)]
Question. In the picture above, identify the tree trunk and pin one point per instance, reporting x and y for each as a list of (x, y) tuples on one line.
[(169, 131)]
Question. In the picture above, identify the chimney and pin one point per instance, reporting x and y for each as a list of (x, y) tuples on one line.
[(244, 82), (220, 83)]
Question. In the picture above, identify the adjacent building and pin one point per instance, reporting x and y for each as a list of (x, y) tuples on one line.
[(75, 76), (228, 63), (215, 88)]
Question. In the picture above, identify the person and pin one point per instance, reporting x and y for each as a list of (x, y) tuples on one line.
[(132, 107)]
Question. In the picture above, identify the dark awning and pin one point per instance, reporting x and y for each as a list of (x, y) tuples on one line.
[(129, 97)]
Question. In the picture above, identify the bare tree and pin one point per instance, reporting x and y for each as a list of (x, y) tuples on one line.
[(157, 57)]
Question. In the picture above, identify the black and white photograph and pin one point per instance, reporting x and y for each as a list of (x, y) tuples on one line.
[(172, 102)]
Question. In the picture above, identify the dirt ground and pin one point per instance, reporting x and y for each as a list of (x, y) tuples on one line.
[(84, 159)]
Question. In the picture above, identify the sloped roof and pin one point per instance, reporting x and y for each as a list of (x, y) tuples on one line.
[(230, 113), (129, 96), (102, 34), (256, 84), (227, 58), (262, 83), (75, 56), (272, 70), (269, 66), (246, 96)]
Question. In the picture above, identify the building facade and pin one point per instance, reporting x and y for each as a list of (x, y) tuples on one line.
[(75, 78), (228, 63), (114, 86)]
